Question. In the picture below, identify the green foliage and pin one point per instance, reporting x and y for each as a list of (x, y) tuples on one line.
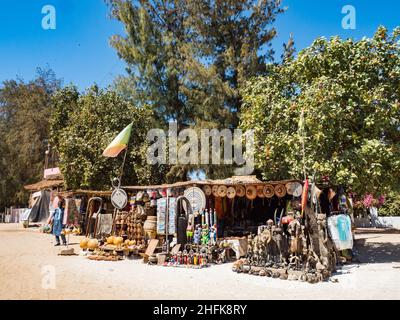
[(350, 94), (24, 113), (188, 59), (81, 128), (391, 207)]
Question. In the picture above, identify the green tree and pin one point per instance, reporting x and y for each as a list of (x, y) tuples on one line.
[(231, 42), (153, 51), (391, 206), (84, 124), (350, 93), (24, 112), (189, 59)]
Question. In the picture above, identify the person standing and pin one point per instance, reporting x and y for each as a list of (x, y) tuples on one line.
[(57, 218)]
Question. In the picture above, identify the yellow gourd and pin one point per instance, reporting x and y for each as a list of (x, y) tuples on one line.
[(110, 240), (84, 243), (118, 240), (93, 244)]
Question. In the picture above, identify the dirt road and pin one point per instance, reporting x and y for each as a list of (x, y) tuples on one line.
[(31, 269)]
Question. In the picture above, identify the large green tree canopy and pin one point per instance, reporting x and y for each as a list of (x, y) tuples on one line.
[(82, 126), (350, 93), (25, 107), (188, 59)]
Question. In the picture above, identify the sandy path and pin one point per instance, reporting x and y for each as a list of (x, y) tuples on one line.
[(28, 258)]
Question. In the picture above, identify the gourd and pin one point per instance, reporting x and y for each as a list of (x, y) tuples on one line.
[(110, 240), (84, 243), (93, 244), (118, 240)]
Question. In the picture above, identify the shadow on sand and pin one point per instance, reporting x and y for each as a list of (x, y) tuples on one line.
[(377, 252)]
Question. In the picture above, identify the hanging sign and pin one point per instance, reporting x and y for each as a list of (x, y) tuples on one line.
[(119, 198)]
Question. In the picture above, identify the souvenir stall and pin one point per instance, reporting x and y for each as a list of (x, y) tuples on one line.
[(288, 229), (80, 209), (308, 239), (196, 223)]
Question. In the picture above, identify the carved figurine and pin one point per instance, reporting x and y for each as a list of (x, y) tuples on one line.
[(205, 236), (197, 235), (189, 232)]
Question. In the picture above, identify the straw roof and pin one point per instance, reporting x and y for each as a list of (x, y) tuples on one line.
[(44, 184), (90, 193), (235, 180)]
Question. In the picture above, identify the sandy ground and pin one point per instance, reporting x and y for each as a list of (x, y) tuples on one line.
[(31, 269)]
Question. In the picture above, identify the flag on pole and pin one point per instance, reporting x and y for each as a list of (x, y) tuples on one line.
[(119, 143)]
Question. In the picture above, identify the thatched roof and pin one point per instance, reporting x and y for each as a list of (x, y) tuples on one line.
[(44, 184), (90, 193), (233, 181)]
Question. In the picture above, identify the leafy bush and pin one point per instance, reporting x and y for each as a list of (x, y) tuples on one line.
[(82, 126), (349, 92), (391, 207)]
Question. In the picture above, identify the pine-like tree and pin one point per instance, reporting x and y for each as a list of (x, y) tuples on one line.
[(189, 59)]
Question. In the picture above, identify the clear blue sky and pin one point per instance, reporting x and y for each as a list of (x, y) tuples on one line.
[(79, 52)]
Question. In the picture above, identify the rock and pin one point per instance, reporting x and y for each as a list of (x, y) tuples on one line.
[(67, 252)]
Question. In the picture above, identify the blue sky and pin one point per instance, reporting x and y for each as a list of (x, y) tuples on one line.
[(78, 49)]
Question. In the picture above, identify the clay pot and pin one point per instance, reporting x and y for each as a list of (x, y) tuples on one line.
[(150, 225)]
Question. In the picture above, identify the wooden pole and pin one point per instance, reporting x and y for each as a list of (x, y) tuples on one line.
[(122, 167), (167, 221)]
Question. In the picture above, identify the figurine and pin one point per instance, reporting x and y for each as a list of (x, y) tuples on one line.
[(184, 257), (205, 236), (197, 235), (179, 257), (203, 259), (189, 232), (207, 218), (191, 257), (213, 235)]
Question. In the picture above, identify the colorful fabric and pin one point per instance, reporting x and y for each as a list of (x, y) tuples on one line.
[(161, 211), (304, 196), (339, 227)]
